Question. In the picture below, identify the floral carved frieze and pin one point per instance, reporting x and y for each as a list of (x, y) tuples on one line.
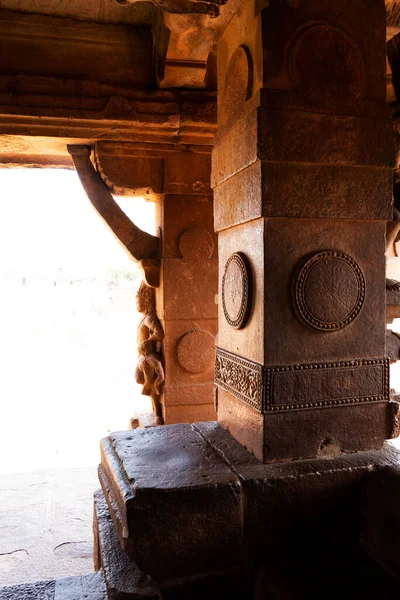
[(240, 377), (305, 386)]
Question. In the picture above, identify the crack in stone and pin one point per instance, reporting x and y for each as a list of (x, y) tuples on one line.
[(14, 552)]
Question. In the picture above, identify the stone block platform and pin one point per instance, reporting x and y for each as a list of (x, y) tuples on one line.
[(188, 500), (176, 505), (125, 581), (185, 512)]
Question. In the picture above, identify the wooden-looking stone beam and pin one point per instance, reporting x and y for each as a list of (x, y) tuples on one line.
[(141, 246), (203, 7)]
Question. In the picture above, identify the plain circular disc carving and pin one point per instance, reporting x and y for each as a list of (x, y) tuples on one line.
[(196, 243), (236, 290), (329, 291), (196, 351), (325, 60), (238, 82)]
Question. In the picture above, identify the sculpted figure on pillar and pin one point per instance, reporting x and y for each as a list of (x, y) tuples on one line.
[(393, 226), (150, 371)]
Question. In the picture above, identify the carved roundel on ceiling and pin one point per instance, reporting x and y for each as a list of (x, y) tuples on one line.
[(329, 291), (237, 290), (326, 61)]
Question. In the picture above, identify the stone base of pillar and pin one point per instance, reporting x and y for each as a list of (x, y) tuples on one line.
[(317, 433), (125, 581), (189, 499)]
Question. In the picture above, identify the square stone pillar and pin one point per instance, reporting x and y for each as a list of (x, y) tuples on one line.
[(177, 178), (302, 176), (186, 297)]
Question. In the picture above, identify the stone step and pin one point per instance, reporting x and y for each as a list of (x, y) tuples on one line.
[(81, 587), (125, 581)]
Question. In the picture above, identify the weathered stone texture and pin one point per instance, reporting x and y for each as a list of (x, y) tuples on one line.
[(286, 499), (162, 504), (41, 590), (190, 413), (123, 579), (380, 519), (40, 45), (302, 173), (80, 587), (169, 495), (186, 299)]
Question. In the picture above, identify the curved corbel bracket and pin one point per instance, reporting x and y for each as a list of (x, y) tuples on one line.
[(141, 246), (151, 271)]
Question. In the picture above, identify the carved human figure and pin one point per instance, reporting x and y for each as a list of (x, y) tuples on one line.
[(149, 371), (393, 226)]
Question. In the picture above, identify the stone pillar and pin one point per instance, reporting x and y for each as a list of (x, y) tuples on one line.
[(177, 178), (186, 296), (302, 175)]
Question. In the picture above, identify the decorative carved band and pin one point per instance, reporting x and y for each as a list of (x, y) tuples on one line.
[(303, 387), (320, 385), (240, 377)]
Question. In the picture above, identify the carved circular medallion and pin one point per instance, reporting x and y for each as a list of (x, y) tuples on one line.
[(238, 82), (196, 243), (236, 290), (329, 291), (326, 61), (196, 351)]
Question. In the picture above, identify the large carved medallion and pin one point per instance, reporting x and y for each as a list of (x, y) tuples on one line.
[(329, 291), (236, 290), (314, 60)]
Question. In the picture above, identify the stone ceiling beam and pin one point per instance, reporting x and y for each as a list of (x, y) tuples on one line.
[(203, 7)]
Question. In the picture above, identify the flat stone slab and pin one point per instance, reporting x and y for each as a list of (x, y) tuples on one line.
[(189, 499), (81, 587), (175, 503), (41, 590)]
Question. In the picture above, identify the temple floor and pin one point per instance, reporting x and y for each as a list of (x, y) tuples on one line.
[(46, 524)]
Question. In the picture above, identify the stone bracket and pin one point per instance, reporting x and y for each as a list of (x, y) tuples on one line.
[(305, 386), (141, 246)]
